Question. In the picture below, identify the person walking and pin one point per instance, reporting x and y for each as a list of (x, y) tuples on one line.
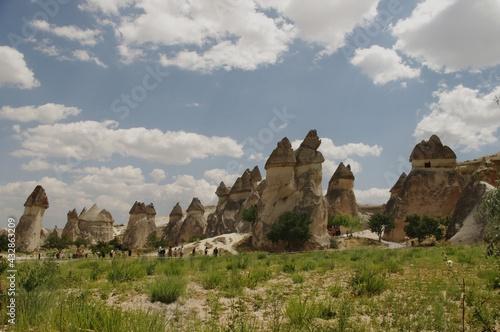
[(181, 251)]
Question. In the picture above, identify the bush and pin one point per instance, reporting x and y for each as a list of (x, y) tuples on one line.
[(422, 228), (196, 238), (292, 227), (368, 281), (167, 290), (250, 214), (212, 279), (378, 223)]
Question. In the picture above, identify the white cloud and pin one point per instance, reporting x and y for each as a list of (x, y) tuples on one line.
[(14, 71), (451, 35), (36, 165), (115, 190), (97, 140), (326, 22), (85, 37), (105, 6), (372, 195), (462, 118), (382, 65), (85, 56), (215, 176), (158, 175), (210, 34), (48, 113), (335, 154)]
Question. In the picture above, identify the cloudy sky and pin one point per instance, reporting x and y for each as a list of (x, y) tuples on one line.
[(113, 101)]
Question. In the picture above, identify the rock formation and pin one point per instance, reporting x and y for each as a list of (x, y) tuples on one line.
[(340, 193), (140, 225), (432, 188), (465, 226), (171, 232), (71, 229), (195, 223), (227, 216), (96, 224), (29, 229), (293, 183)]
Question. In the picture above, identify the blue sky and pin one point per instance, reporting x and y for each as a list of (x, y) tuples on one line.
[(113, 101)]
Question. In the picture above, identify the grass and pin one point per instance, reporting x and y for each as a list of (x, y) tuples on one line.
[(363, 289)]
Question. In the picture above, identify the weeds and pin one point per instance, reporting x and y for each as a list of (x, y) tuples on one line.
[(167, 290)]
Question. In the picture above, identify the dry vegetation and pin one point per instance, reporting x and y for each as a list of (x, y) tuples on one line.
[(363, 288)]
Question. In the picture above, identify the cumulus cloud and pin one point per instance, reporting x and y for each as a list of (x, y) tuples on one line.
[(48, 113), (14, 71), (326, 23), (88, 140), (215, 176), (451, 35), (85, 56), (109, 7), (372, 195), (343, 153), (113, 189), (87, 37), (382, 65), (462, 117), (158, 175)]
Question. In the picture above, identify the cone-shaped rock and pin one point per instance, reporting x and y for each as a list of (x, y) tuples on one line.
[(30, 225), (340, 193), (71, 229), (195, 222), (307, 152), (171, 232), (140, 225), (97, 224), (256, 176), (282, 155), (222, 190)]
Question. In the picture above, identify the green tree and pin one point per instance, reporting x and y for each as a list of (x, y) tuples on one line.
[(350, 223), (291, 227), (423, 227), (154, 241), (379, 222), (250, 214), (55, 242), (102, 248), (4, 242), (115, 244), (80, 242), (490, 211)]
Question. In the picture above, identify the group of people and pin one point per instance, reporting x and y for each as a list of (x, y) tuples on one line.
[(174, 252)]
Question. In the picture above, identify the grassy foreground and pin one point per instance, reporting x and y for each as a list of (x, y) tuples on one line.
[(366, 289)]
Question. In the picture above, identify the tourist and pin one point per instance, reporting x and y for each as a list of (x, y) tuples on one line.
[(206, 250), (170, 251), (216, 252), (194, 251), (181, 251)]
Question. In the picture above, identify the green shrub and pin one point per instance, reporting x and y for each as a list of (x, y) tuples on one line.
[(250, 214), (368, 281), (334, 243), (167, 290), (212, 279), (298, 278), (291, 227), (122, 270), (423, 227)]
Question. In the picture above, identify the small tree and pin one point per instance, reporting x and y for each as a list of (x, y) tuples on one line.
[(80, 242), (115, 244), (291, 227), (55, 242), (154, 241), (4, 242), (490, 210), (379, 222), (423, 227), (350, 223), (250, 214), (102, 248)]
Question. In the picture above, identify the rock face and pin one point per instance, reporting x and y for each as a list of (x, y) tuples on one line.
[(293, 183), (29, 229), (432, 188), (465, 226), (140, 225), (340, 193), (171, 232), (71, 230), (227, 216), (195, 223), (96, 224)]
